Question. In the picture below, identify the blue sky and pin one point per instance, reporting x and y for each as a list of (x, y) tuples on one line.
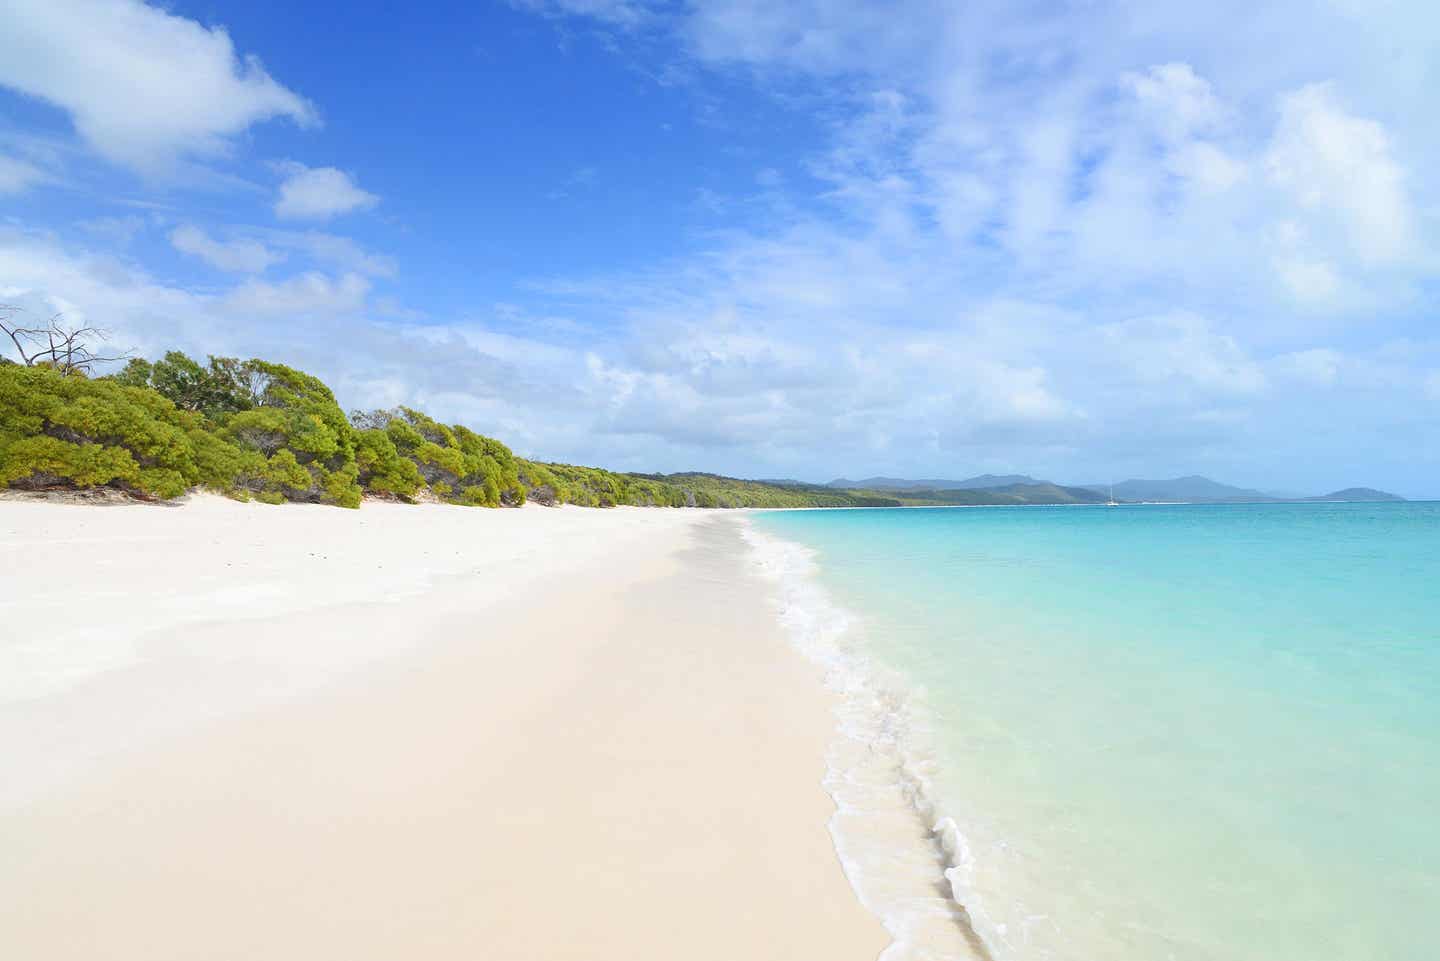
[(1082, 240)]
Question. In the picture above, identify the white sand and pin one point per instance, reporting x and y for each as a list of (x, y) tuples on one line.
[(235, 731)]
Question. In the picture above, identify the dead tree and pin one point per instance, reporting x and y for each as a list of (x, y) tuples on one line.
[(64, 347)]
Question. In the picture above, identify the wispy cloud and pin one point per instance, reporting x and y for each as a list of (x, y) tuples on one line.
[(235, 256), (624, 13), (302, 295), (18, 175), (331, 250)]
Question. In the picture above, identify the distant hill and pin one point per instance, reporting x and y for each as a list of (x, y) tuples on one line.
[(1000, 489), (1357, 494), (1044, 492), (1193, 489), (716, 490), (1011, 494), (1202, 490), (981, 482)]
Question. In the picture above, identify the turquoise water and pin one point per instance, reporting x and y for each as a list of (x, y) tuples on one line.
[(1161, 732)]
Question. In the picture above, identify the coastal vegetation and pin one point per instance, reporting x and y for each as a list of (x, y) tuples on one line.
[(254, 429)]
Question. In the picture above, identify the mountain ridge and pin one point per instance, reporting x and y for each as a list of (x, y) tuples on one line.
[(1356, 495), (978, 482), (1191, 488), (1023, 488)]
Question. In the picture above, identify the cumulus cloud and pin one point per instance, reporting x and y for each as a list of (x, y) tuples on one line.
[(1182, 102), (237, 256), (318, 193), (1206, 165), (1310, 281), (1180, 349), (142, 86), (1057, 134), (1332, 160)]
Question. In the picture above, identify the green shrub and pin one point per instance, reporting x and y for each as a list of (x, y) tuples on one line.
[(296, 415), (283, 472), (402, 451), (340, 488), (221, 387), (72, 431), (42, 461), (224, 467), (289, 441), (381, 469)]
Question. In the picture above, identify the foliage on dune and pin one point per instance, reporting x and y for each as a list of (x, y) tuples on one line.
[(70, 431), (256, 429), (155, 435)]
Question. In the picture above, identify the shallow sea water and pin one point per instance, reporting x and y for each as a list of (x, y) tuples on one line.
[(1144, 732)]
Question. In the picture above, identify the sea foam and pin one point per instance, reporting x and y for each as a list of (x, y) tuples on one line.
[(906, 858)]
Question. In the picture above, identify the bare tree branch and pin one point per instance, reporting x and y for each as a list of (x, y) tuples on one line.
[(58, 345)]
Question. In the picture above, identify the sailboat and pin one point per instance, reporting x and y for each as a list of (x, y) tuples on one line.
[(1112, 502)]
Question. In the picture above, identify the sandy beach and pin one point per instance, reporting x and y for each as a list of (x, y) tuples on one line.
[(236, 731)]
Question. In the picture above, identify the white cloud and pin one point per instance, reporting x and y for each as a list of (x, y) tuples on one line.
[(1309, 281), (1180, 349), (1182, 102), (143, 87), (319, 193), (334, 250), (1181, 110), (138, 310), (1332, 160), (1002, 393), (254, 249), (304, 294), (1101, 154), (17, 176), (1206, 165), (120, 231), (237, 256)]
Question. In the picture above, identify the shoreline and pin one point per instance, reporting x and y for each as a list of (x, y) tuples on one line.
[(905, 857), (572, 734)]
